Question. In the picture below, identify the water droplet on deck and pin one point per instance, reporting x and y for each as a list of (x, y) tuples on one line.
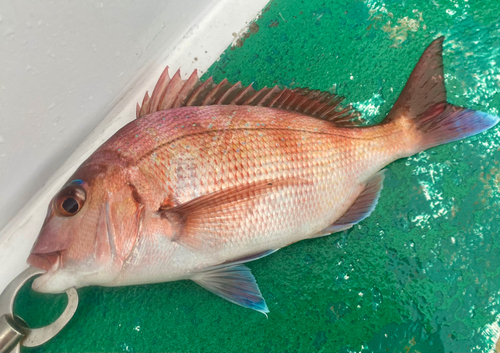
[(377, 298)]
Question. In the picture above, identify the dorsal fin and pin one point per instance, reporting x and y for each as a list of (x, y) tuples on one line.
[(175, 92)]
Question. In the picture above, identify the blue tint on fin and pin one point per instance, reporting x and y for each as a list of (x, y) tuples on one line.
[(77, 181), (234, 283), (469, 122)]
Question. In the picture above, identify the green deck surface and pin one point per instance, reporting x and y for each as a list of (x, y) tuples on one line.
[(422, 274)]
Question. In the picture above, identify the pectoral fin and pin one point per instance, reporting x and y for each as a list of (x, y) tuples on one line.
[(235, 283), (361, 208), (203, 223)]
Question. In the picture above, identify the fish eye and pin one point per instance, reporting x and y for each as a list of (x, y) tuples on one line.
[(70, 200), (70, 205)]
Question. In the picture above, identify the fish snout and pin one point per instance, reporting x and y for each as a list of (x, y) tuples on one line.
[(49, 261), (55, 279), (46, 253)]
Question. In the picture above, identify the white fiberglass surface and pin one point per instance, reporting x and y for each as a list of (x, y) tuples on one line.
[(71, 75)]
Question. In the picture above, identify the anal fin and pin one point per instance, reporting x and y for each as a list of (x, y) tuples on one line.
[(361, 208)]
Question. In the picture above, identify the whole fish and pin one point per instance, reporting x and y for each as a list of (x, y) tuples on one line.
[(212, 176)]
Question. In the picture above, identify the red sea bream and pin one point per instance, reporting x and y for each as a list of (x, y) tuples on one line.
[(209, 177)]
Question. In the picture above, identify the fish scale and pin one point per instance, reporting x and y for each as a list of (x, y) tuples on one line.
[(260, 150), (194, 192), (317, 160)]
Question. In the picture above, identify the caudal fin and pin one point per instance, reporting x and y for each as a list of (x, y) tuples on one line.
[(422, 106)]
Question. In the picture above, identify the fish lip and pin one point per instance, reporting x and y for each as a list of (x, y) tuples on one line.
[(45, 261)]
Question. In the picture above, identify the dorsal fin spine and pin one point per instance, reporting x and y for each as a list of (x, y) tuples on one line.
[(327, 111), (171, 91), (269, 96), (211, 96), (175, 92), (241, 96), (317, 109), (310, 101), (312, 95), (197, 94), (161, 85), (257, 97), (281, 104), (295, 100), (276, 98), (146, 104), (228, 93), (191, 82)]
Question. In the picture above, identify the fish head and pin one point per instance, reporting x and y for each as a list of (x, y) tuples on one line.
[(90, 228)]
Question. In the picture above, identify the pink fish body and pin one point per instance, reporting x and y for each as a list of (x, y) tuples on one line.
[(210, 177)]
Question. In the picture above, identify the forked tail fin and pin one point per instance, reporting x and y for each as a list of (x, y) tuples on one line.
[(422, 108)]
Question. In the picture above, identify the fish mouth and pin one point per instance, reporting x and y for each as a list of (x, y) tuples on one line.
[(45, 261)]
